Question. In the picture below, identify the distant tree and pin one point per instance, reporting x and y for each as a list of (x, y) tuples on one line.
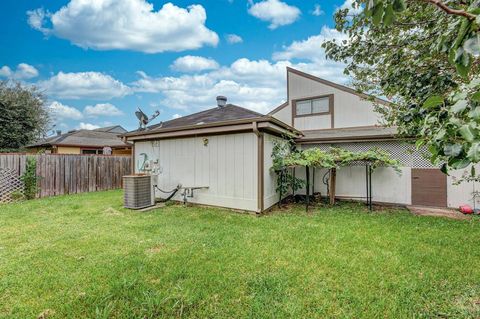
[(424, 56), (23, 115)]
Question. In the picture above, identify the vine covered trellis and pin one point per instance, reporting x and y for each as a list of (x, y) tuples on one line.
[(286, 158)]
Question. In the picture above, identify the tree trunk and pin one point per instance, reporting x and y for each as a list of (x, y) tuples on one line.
[(333, 178)]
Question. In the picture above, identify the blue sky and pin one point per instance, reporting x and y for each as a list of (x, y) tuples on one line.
[(98, 60)]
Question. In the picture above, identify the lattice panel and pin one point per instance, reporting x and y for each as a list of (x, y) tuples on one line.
[(9, 183), (405, 153)]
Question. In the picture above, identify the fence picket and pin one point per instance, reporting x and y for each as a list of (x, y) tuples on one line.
[(69, 174)]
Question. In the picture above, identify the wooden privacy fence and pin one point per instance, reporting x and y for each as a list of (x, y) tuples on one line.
[(70, 174)]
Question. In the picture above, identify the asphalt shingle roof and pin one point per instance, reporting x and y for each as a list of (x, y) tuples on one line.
[(94, 138), (229, 112)]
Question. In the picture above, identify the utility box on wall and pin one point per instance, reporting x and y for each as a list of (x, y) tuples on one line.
[(138, 191)]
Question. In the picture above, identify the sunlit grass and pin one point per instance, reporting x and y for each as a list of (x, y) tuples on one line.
[(85, 256)]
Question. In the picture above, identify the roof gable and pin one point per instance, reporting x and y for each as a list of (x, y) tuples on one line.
[(333, 85)]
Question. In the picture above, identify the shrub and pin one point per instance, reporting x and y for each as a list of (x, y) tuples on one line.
[(30, 178)]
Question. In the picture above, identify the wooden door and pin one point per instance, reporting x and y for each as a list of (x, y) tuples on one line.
[(429, 187)]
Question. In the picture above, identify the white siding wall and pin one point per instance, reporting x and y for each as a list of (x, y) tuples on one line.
[(227, 165), (387, 185), (349, 109), (461, 194), (284, 115), (313, 122)]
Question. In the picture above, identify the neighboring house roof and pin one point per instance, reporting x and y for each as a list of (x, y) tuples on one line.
[(84, 138), (112, 129), (228, 115), (348, 134)]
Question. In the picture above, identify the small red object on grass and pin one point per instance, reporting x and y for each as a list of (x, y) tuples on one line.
[(466, 209)]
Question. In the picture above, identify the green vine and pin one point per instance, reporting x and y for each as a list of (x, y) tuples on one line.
[(285, 181), (286, 157)]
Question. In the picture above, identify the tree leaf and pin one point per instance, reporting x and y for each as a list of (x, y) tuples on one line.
[(476, 97), (459, 106), (467, 133), (474, 152), (472, 45), (462, 70), (444, 168), (462, 32), (399, 5), (389, 16), (460, 163), (475, 113), (452, 150), (377, 13), (433, 101)]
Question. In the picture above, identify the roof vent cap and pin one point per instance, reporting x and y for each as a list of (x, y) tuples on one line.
[(221, 101)]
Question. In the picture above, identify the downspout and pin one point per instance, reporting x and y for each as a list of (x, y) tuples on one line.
[(132, 157), (260, 165)]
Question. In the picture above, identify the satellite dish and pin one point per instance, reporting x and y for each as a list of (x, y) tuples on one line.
[(143, 119)]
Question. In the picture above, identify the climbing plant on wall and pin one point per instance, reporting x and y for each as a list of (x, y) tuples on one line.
[(332, 159)]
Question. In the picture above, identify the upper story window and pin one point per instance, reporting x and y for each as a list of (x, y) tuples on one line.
[(320, 105)]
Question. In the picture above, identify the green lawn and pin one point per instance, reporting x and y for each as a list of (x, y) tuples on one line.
[(85, 256)]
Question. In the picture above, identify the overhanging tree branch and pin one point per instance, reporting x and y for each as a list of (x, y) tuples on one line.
[(452, 11)]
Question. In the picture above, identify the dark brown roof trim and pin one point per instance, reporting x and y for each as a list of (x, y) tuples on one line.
[(278, 108), (348, 139), (79, 145), (337, 86), (208, 128)]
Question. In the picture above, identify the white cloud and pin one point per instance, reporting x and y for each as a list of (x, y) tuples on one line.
[(191, 63), (87, 85), (234, 38), (61, 111), (126, 25), (259, 85), (317, 10), (102, 109), (348, 4), (276, 12), (311, 48), (23, 72), (87, 126), (176, 116)]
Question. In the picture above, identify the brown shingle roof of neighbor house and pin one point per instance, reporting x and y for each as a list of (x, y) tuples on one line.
[(111, 129), (228, 115), (349, 134), (85, 138)]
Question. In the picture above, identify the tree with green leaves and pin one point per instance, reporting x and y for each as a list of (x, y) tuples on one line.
[(23, 115), (424, 56)]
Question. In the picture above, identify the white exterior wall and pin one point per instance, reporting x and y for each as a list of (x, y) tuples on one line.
[(350, 110), (461, 194), (387, 185), (227, 165)]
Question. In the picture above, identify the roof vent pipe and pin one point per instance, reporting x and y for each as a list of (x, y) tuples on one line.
[(221, 101)]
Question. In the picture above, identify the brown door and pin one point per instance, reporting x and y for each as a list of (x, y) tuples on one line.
[(429, 187)]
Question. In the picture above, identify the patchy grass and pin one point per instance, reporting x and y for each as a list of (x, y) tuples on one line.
[(85, 256)]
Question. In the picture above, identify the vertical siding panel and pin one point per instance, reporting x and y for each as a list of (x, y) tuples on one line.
[(221, 168), (248, 179), (238, 160)]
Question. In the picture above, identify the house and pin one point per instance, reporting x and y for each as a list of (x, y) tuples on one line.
[(226, 151), (97, 141), (333, 115)]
